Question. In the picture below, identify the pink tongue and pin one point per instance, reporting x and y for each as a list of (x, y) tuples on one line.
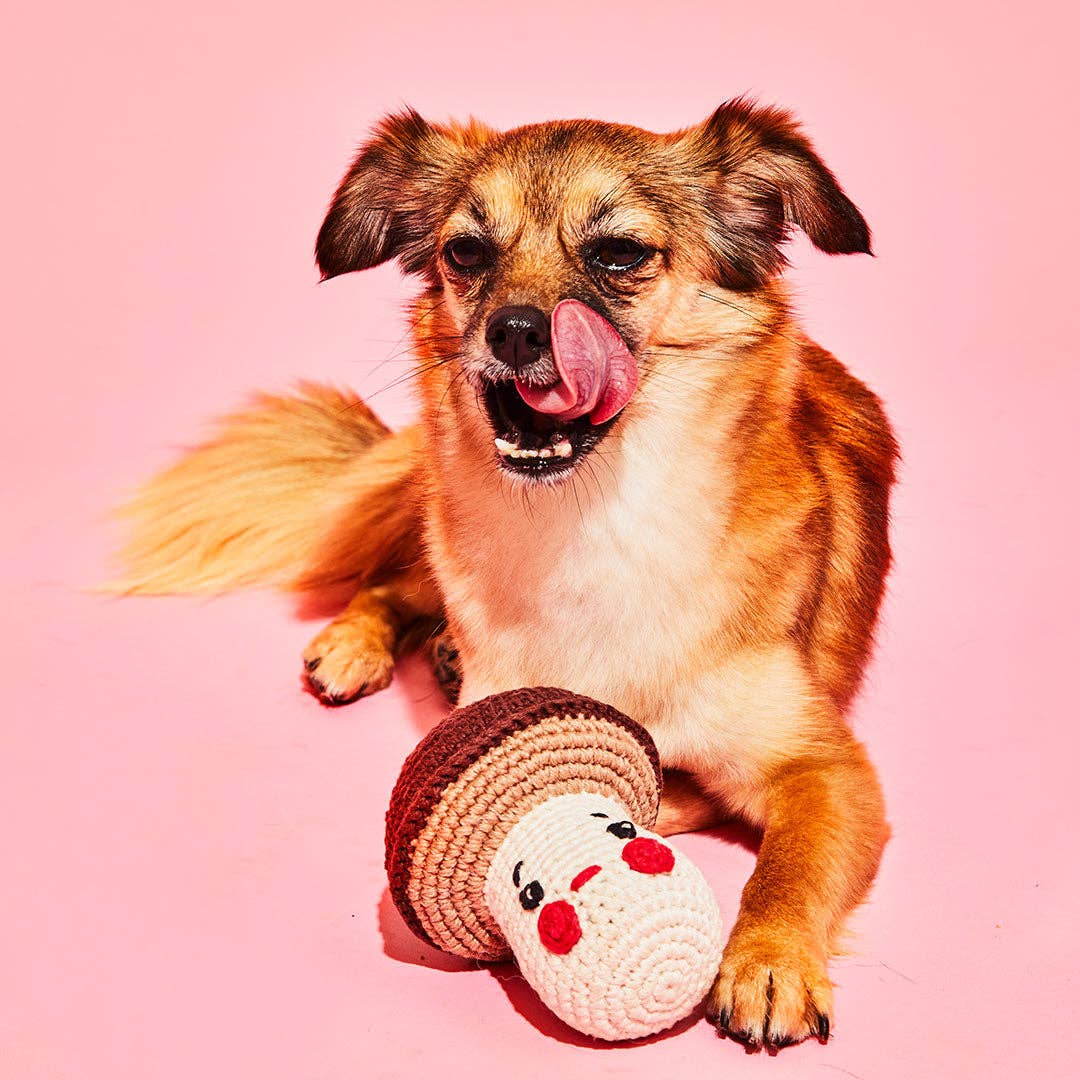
[(597, 372)]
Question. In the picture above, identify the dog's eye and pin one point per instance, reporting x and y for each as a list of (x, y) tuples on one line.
[(624, 830), (619, 253), (466, 254)]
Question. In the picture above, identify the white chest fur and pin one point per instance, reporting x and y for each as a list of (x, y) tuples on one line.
[(603, 585)]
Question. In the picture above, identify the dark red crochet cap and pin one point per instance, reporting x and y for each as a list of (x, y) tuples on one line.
[(508, 752)]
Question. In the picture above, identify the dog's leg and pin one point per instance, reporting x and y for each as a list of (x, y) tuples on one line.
[(788, 764), (824, 830), (354, 655)]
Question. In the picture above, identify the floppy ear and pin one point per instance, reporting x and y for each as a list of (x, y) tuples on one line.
[(768, 178), (394, 196)]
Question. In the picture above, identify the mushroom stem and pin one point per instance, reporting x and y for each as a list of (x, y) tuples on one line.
[(616, 931)]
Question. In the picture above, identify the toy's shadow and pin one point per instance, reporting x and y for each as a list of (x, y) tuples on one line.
[(399, 943)]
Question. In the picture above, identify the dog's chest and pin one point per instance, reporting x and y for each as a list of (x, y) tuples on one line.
[(606, 593)]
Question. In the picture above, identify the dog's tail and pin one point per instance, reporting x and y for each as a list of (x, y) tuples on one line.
[(301, 492)]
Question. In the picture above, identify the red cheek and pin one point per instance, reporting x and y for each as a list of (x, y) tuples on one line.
[(648, 856), (559, 927)]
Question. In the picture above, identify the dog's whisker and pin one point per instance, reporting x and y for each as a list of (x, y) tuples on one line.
[(418, 318), (577, 499), (421, 369), (603, 456), (438, 410), (771, 327)]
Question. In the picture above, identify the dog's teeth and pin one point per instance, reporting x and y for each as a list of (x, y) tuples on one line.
[(508, 449)]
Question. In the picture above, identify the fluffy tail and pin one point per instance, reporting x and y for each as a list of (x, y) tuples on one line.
[(300, 492)]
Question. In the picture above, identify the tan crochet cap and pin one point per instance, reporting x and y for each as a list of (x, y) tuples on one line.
[(472, 778)]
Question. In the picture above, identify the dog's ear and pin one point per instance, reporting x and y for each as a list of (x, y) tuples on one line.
[(766, 178), (393, 198)]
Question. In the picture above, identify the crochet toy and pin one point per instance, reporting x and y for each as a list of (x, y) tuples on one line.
[(519, 826)]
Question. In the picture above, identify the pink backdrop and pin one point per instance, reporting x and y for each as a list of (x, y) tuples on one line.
[(191, 847)]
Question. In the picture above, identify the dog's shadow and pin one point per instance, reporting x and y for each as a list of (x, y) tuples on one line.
[(424, 699), (323, 604)]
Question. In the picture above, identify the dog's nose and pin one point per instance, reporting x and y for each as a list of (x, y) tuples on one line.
[(516, 335)]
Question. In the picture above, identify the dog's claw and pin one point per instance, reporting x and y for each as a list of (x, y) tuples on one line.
[(774, 1046), (770, 996), (320, 690)]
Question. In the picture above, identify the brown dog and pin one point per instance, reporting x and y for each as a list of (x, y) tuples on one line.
[(709, 559)]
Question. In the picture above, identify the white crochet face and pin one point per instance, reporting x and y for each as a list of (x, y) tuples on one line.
[(615, 929)]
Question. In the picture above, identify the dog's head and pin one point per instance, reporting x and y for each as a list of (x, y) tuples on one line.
[(628, 232)]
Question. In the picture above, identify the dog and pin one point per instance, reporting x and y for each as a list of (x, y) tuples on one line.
[(633, 476)]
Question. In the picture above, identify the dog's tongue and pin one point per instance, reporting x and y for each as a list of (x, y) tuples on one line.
[(597, 372)]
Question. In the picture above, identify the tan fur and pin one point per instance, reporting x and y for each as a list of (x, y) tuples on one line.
[(713, 568), (300, 492)]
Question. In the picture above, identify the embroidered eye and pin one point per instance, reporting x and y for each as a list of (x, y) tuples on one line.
[(531, 896), (467, 254), (624, 830), (618, 253)]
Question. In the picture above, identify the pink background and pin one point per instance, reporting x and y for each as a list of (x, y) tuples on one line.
[(191, 846)]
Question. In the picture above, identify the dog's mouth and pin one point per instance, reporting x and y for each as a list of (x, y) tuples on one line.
[(536, 445), (544, 429)]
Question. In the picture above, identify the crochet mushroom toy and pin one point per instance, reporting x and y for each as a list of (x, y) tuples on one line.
[(519, 827)]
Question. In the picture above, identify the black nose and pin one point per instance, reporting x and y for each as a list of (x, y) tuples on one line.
[(516, 335)]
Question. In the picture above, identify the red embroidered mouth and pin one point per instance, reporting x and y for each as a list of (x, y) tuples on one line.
[(585, 875)]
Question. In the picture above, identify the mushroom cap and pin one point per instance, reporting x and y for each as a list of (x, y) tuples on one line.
[(476, 775)]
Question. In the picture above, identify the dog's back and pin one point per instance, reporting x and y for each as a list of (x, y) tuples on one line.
[(851, 448)]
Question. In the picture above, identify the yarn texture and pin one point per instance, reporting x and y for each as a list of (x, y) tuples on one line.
[(638, 941), (519, 827), (471, 779)]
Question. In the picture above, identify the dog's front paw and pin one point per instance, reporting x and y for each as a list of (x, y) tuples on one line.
[(772, 990), (343, 663)]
